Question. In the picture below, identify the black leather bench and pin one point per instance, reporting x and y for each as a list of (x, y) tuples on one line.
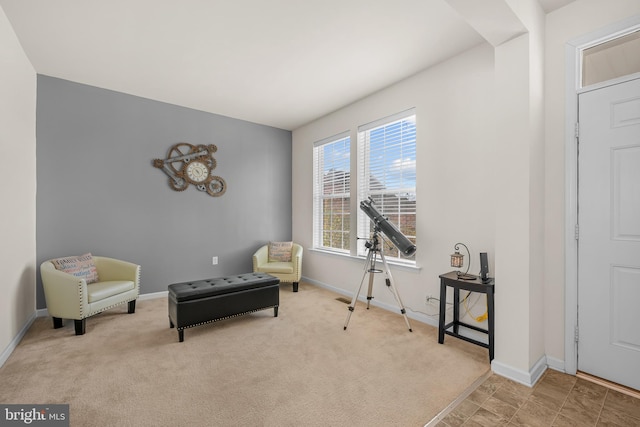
[(203, 301)]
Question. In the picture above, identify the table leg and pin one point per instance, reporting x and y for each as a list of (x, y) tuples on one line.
[(456, 309), (491, 321), (443, 311)]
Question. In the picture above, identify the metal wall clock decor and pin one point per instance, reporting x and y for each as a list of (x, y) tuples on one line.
[(192, 164)]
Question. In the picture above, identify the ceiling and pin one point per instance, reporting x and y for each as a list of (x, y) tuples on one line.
[(281, 63)]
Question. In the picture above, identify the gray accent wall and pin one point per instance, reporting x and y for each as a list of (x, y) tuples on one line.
[(98, 192)]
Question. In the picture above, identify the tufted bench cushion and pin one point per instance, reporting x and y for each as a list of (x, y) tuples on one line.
[(203, 301)]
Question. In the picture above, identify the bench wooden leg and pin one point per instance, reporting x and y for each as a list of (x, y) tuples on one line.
[(132, 306), (275, 311), (295, 286), (181, 335)]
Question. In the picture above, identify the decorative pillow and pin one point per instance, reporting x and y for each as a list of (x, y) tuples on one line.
[(280, 251), (80, 266)]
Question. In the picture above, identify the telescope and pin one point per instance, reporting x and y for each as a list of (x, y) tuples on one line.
[(399, 240)]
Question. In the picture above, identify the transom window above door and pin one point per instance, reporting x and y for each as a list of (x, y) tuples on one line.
[(611, 59)]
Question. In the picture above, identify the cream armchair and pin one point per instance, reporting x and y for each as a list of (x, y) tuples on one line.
[(70, 297), (288, 272)]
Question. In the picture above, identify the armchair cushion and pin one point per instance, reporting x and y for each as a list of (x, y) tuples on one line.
[(278, 267), (80, 266), (280, 251), (101, 290)]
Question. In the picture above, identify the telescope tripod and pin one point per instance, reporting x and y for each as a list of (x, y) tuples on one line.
[(373, 249)]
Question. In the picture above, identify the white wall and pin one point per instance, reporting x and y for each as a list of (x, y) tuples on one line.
[(456, 159), (77, 123), (575, 20), (18, 192), (519, 209)]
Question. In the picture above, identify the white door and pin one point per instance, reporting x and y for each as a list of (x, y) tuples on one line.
[(609, 233)]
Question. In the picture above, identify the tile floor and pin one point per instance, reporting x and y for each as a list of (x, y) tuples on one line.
[(557, 399)]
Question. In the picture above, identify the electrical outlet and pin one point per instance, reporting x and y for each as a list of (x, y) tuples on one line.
[(214, 260)]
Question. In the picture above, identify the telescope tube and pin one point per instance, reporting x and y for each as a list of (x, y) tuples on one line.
[(389, 229)]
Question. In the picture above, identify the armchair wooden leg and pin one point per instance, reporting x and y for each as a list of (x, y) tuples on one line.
[(80, 326), (132, 306), (57, 323), (295, 286)]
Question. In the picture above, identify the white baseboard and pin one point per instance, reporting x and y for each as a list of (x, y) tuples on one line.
[(325, 285), (154, 295), (555, 364), (528, 378), (16, 340)]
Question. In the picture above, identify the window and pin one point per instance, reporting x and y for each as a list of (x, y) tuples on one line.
[(611, 59), (387, 174), (331, 193)]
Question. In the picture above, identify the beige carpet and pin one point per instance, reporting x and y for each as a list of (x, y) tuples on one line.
[(299, 369)]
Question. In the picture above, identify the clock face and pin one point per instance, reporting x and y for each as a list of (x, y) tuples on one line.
[(197, 172)]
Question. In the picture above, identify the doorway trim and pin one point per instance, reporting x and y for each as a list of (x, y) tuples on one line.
[(573, 77)]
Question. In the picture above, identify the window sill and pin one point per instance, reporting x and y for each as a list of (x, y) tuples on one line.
[(362, 259)]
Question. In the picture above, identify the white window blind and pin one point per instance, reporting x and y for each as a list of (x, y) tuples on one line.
[(331, 193), (387, 174)]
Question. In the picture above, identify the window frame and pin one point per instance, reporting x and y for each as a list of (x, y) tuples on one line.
[(320, 196), (382, 194)]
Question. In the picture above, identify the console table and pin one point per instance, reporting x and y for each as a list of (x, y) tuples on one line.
[(451, 280)]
